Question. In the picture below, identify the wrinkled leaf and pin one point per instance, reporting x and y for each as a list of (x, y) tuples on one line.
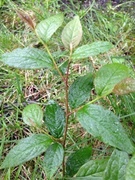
[(93, 168), (116, 166), (72, 33), (108, 76), (33, 115), (46, 28), (125, 86), (27, 149), (27, 58), (105, 126), (54, 119), (53, 159), (130, 172), (77, 159), (79, 91), (92, 49)]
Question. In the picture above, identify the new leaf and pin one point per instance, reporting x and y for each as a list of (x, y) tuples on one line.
[(46, 28), (72, 33)]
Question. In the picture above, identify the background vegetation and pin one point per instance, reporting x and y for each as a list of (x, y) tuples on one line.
[(18, 88)]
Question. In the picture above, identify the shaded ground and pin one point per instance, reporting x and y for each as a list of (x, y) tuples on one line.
[(100, 3)]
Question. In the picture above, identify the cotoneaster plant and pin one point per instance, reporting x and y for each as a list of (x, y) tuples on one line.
[(101, 123)]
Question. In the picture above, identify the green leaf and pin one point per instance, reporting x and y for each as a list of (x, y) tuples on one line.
[(118, 59), (105, 126), (93, 168), (92, 49), (55, 119), (27, 149), (53, 159), (79, 91), (46, 28), (33, 115), (116, 166), (130, 172), (108, 76), (27, 58), (125, 86), (72, 33), (77, 159)]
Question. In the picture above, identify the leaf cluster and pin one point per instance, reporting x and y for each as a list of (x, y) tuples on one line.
[(100, 123)]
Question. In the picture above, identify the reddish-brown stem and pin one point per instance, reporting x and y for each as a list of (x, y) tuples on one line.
[(67, 113)]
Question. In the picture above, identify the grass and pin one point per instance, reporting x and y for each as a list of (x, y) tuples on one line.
[(19, 88)]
